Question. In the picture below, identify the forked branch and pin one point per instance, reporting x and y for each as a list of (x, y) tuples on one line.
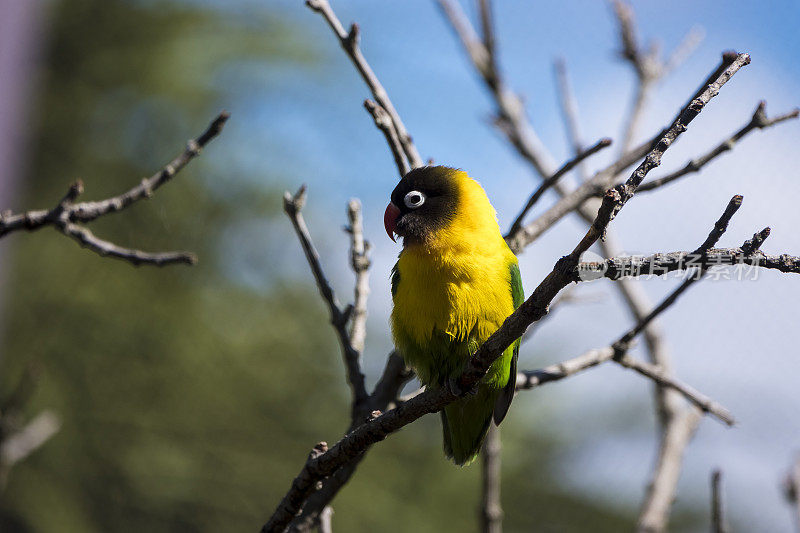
[(67, 215)]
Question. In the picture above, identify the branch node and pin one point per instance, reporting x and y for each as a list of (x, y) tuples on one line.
[(318, 449), (752, 245), (352, 39), (294, 204), (316, 5), (193, 148)]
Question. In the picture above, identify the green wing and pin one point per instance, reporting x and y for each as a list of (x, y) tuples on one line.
[(504, 400), (517, 295)]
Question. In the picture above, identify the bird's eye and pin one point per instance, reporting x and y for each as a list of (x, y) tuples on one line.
[(414, 199)]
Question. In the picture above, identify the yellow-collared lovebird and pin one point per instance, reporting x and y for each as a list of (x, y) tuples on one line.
[(454, 284)]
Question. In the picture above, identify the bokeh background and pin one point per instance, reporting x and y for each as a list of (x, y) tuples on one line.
[(189, 397)]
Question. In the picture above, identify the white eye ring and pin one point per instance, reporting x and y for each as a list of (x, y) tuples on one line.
[(414, 199)]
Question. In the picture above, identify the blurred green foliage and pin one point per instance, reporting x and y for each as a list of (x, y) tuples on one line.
[(189, 402)]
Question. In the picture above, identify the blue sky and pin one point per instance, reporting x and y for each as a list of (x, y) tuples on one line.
[(735, 341)]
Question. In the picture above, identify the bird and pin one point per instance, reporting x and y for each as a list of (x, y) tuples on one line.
[(454, 283)]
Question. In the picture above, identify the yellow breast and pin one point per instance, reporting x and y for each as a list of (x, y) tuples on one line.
[(457, 281)]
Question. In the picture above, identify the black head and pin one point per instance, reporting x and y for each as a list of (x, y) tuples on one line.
[(423, 203)]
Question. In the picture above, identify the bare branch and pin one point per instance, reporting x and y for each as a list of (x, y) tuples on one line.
[(630, 46), (292, 205), (491, 511), (684, 49), (384, 123), (718, 522), (395, 375), (67, 213), (88, 211), (530, 379), (647, 66), (677, 433), (721, 225), (678, 426), (359, 261), (758, 121), (104, 248), (682, 424), (702, 402), (511, 117), (487, 27), (569, 111), (349, 42), (604, 178), (664, 263), (615, 198), (678, 423), (549, 182), (618, 350)]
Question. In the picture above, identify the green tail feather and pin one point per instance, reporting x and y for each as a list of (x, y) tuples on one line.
[(465, 423)]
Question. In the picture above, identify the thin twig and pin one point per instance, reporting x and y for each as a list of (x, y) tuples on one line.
[(511, 118), (384, 123), (705, 404), (67, 213), (549, 182), (618, 350), (616, 198), (684, 49), (529, 379), (487, 27), (604, 178), (647, 66), (349, 41), (292, 205), (758, 121), (569, 111), (360, 263), (675, 438), (718, 522)]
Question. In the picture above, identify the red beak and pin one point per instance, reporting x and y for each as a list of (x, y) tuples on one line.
[(390, 219)]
